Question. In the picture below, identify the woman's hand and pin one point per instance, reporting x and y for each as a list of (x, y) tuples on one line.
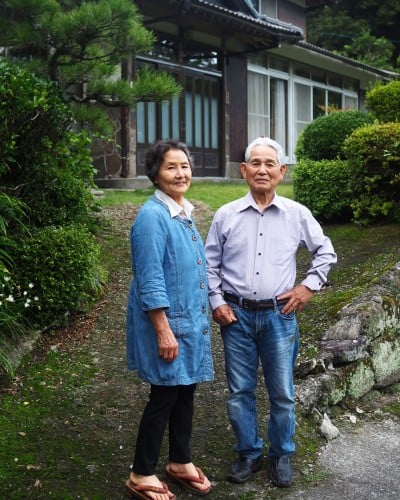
[(167, 343)]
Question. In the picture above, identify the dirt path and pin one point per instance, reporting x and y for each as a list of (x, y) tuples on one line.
[(69, 421)]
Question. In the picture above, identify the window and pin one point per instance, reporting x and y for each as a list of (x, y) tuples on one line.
[(334, 100), (279, 107), (319, 102), (268, 107), (192, 117), (258, 115), (269, 8), (302, 107)]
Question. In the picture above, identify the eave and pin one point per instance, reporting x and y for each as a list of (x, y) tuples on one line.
[(217, 26)]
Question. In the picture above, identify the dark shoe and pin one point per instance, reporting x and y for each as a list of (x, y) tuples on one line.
[(243, 467), (281, 471)]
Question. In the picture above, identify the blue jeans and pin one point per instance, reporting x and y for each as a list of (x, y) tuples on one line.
[(273, 338)]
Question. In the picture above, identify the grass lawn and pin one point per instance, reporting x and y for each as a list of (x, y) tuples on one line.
[(213, 194)]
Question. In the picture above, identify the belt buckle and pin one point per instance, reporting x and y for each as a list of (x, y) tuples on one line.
[(241, 302)]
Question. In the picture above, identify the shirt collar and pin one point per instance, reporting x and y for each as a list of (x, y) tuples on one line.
[(173, 207), (249, 201)]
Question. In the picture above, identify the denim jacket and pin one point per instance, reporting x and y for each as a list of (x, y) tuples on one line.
[(169, 270)]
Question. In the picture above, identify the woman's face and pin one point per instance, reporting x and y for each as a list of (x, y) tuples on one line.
[(174, 175)]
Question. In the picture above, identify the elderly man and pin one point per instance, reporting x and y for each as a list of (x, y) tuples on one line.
[(251, 266)]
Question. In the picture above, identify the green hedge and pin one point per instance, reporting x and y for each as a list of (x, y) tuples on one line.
[(374, 156), (323, 186)]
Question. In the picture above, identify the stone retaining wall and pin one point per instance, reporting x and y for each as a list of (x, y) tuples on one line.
[(359, 353)]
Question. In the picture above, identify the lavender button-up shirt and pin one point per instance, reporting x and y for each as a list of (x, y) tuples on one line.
[(253, 254)]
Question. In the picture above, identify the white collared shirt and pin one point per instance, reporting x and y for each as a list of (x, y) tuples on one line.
[(174, 208)]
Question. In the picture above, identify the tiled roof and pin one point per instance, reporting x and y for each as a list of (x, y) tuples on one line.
[(382, 72), (259, 24)]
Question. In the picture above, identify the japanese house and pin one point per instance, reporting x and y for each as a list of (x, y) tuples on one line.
[(246, 70)]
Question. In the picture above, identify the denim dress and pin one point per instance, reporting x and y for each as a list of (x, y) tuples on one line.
[(169, 272)]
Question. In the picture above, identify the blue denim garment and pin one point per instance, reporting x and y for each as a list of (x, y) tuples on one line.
[(168, 265), (273, 338)]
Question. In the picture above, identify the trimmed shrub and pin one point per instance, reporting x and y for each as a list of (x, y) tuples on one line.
[(62, 263), (374, 155), (384, 102), (324, 188), (323, 138)]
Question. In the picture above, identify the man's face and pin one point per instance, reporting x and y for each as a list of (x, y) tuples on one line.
[(263, 172)]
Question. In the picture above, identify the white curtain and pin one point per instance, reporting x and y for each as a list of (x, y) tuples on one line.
[(258, 118), (279, 112)]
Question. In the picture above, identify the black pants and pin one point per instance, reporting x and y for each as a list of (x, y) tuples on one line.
[(166, 405)]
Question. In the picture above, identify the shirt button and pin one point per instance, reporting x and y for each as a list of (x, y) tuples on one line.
[(194, 238), (257, 273), (202, 285), (259, 253), (199, 261), (205, 331), (204, 310)]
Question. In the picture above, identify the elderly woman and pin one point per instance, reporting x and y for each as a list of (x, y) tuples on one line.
[(168, 330)]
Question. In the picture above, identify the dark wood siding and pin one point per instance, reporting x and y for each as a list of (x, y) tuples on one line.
[(236, 84)]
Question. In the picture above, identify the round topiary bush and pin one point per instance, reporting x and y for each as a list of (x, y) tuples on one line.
[(384, 102), (323, 138)]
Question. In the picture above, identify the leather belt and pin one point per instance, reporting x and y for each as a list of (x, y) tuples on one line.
[(253, 304)]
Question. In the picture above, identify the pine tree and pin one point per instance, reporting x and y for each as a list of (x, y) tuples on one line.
[(80, 45)]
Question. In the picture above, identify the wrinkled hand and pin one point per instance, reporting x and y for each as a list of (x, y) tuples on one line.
[(167, 343), (167, 346), (223, 315), (298, 297)]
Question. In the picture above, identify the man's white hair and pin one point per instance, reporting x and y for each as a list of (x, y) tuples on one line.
[(265, 141)]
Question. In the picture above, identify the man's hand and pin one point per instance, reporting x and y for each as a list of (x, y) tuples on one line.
[(297, 299), (223, 315)]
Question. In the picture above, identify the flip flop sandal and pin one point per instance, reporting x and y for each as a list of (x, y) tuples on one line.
[(184, 480), (139, 490)]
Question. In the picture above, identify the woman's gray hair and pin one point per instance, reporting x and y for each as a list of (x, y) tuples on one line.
[(265, 141), (155, 156)]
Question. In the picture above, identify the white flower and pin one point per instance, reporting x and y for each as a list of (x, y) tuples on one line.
[(31, 285), (25, 293), (7, 278), (10, 298)]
